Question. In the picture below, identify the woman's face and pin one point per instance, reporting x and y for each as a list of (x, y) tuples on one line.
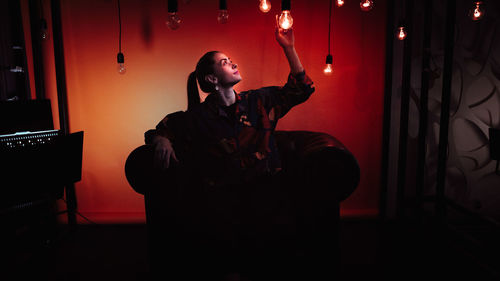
[(225, 70)]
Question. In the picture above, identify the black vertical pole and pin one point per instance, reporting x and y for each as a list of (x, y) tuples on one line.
[(424, 98), (36, 45), (405, 105), (62, 99), (386, 129), (445, 108)]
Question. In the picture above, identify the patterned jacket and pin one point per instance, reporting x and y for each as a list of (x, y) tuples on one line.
[(230, 145)]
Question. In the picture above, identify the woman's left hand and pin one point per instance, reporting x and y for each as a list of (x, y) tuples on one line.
[(284, 36)]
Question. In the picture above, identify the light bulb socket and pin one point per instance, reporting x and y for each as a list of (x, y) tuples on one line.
[(329, 59), (222, 5), (43, 24), (120, 58), (286, 5), (173, 6)]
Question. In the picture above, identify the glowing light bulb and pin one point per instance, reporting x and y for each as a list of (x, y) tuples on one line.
[(223, 16), (477, 12), (340, 3), (285, 20), (264, 6), (401, 33), (328, 68), (366, 5), (121, 63), (173, 21)]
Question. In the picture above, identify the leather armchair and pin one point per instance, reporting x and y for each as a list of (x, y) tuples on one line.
[(322, 172)]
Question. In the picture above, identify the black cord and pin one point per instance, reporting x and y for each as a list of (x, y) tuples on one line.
[(120, 26), (329, 25), (41, 8)]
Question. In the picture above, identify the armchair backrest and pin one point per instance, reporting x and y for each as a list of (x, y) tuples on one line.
[(320, 155)]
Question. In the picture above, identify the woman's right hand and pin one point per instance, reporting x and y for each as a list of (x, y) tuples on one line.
[(163, 152)]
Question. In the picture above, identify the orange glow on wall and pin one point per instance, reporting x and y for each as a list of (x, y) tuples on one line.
[(115, 110)]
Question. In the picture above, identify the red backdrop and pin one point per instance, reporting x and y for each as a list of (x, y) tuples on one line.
[(115, 110)]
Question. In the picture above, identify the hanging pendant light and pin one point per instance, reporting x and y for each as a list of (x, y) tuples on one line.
[(477, 11), (265, 6), (329, 59), (401, 32), (285, 20), (223, 15), (173, 20), (44, 31), (340, 3), (120, 58), (366, 5), (328, 68)]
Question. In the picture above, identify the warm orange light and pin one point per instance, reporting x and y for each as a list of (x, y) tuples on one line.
[(340, 3), (477, 12), (401, 33), (285, 21), (328, 69), (264, 6), (366, 5)]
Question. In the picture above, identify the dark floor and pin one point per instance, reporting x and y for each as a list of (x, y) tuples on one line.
[(370, 250)]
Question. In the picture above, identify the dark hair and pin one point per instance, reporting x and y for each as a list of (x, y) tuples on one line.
[(204, 67)]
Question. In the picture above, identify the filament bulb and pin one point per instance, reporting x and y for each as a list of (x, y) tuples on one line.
[(366, 5), (173, 21), (121, 63), (264, 6), (223, 16), (401, 33), (285, 20), (328, 68), (477, 12), (340, 3), (121, 68)]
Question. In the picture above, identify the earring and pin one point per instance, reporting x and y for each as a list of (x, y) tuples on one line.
[(216, 88)]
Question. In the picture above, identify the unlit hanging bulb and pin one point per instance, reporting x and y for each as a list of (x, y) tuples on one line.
[(340, 3), (173, 20), (366, 5), (328, 68), (223, 15), (44, 33), (477, 12), (120, 59), (121, 63), (285, 20), (264, 6), (401, 33)]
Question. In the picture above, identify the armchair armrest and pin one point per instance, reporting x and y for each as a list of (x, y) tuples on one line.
[(139, 169), (322, 159)]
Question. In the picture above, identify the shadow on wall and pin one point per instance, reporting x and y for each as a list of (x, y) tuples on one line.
[(475, 108)]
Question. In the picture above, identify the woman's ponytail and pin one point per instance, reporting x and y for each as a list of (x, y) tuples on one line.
[(192, 91), (204, 67)]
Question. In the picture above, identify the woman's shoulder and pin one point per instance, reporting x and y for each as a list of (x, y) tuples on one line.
[(258, 92)]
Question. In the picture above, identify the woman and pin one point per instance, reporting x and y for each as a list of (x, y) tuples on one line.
[(225, 148)]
